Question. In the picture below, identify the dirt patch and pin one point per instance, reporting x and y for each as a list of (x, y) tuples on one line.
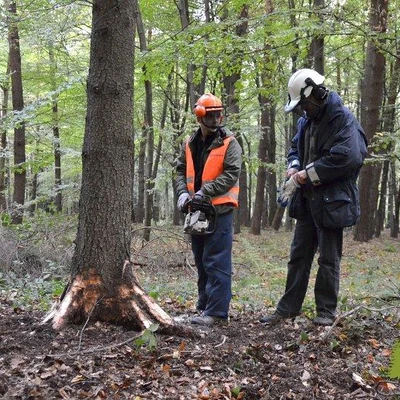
[(241, 360)]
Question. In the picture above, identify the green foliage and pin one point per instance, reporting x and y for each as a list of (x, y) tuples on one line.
[(394, 369), (32, 292), (148, 338)]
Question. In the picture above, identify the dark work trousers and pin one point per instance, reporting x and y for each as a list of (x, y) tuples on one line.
[(308, 238), (213, 257)]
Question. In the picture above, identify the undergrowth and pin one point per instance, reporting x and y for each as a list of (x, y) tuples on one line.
[(35, 259)]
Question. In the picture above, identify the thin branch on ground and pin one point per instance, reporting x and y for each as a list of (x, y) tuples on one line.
[(353, 311), (96, 349), (87, 321), (223, 341)]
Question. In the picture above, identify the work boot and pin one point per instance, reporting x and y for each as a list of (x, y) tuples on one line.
[(323, 320), (208, 320), (273, 319)]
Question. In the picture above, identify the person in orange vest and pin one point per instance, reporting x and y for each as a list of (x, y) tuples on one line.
[(209, 167)]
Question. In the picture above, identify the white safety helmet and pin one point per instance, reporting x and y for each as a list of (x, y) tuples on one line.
[(299, 89)]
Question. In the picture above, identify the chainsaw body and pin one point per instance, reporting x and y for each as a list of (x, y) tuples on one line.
[(201, 217)]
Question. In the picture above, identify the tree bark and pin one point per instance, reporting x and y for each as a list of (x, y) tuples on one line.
[(56, 133), (18, 106), (3, 148), (103, 285), (388, 126), (259, 202), (232, 104), (148, 128), (371, 95), (317, 44), (266, 147)]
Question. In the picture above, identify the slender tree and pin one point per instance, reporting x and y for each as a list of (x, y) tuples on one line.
[(148, 127), (266, 147), (18, 106), (56, 131), (372, 96), (230, 81), (3, 146)]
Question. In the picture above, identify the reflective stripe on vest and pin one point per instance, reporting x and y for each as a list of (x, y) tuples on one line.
[(213, 167)]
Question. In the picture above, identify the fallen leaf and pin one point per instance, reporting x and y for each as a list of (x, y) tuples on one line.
[(78, 378), (306, 376), (374, 343)]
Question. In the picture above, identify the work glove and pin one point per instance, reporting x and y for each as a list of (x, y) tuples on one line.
[(287, 190), (199, 195), (182, 201)]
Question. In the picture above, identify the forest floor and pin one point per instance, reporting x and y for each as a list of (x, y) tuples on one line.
[(239, 360)]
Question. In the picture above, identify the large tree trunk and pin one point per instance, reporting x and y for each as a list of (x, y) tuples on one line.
[(372, 95), (18, 105), (103, 286)]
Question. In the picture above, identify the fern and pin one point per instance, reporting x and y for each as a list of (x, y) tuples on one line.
[(394, 369)]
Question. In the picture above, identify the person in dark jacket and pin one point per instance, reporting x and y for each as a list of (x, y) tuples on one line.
[(209, 167), (324, 162)]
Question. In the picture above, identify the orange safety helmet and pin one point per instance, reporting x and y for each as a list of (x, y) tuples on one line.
[(207, 102)]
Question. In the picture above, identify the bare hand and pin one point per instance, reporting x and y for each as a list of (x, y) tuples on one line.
[(300, 177)]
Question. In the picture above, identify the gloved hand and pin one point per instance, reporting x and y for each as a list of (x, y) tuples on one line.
[(182, 201), (199, 195), (287, 190)]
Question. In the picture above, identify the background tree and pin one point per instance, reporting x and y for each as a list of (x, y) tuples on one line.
[(372, 97), (3, 150), (18, 106)]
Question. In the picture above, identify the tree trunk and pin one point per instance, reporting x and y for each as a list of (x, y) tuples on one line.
[(103, 286), (271, 176), (3, 145), (372, 95), (317, 44), (394, 203), (18, 105), (380, 213), (183, 7), (232, 105), (266, 142), (259, 202), (139, 214), (388, 126), (56, 133), (148, 126), (394, 231)]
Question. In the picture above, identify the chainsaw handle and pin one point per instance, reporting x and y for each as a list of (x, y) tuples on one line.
[(206, 207)]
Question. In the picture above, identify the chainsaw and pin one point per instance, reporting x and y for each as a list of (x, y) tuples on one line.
[(201, 217)]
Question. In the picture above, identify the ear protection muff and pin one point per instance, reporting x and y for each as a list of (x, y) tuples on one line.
[(200, 111), (319, 91)]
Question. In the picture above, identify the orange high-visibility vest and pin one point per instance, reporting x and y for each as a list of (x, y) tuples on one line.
[(213, 167)]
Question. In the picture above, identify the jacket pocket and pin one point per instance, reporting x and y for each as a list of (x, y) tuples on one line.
[(340, 208)]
